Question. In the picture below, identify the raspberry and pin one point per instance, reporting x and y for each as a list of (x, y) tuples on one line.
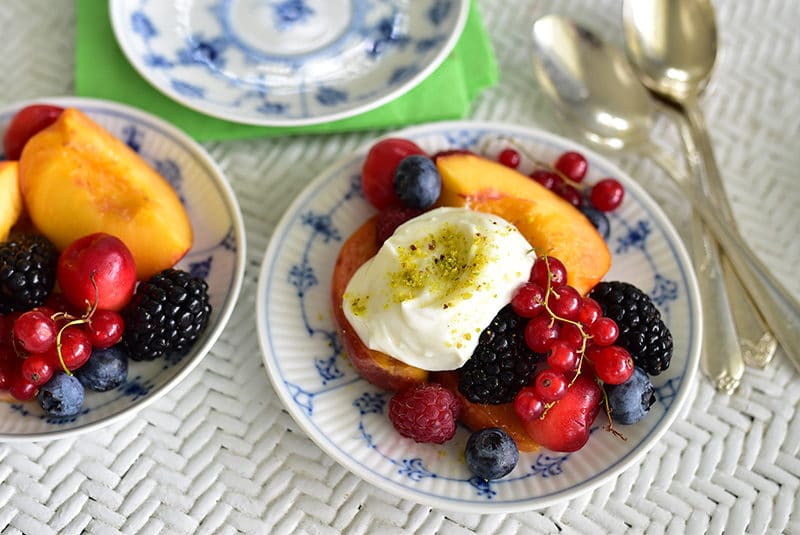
[(426, 413), (391, 218)]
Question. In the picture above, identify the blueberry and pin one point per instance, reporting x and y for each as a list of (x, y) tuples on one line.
[(598, 219), (631, 401), (417, 181), (491, 453), (105, 369), (62, 395)]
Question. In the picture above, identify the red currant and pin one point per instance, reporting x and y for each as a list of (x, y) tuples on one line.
[(573, 165), (35, 331), (377, 174), (550, 385), (570, 194), (105, 328), (557, 272), (604, 331), (528, 301), (548, 179), (589, 312), (38, 369), (540, 333), (22, 389), (613, 365), (562, 357), (528, 405), (571, 335), (564, 302), (607, 195), (509, 158), (75, 348)]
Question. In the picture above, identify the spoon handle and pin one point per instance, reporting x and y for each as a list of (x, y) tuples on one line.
[(757, 342), (721, 356), (780, 310)]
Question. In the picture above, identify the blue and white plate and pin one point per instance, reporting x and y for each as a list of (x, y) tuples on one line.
[(286, 62), (217, 255), (347, 416)]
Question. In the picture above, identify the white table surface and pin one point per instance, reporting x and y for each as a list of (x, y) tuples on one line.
[(219, 453)]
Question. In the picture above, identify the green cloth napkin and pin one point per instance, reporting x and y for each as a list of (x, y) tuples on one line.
[(103, 71)]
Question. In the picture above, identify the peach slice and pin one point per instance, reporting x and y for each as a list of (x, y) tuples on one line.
[(551, 225), (11, 206), (78, 179), (378, 368)]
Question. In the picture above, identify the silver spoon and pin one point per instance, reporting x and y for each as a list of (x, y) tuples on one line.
[(593, 85), (565, 55), (673, 45)]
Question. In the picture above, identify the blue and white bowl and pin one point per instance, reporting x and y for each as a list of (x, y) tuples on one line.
[(286, 62), (217, 255), (347, 416)]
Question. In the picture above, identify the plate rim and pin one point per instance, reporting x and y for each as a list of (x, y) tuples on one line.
[(230, 202), (116, 9), (524, 504)]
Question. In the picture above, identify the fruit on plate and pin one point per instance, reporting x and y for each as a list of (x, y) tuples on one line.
[(10, 197), (97, 271), (77, 179), (552, 225), (567, 424), (378, 368)]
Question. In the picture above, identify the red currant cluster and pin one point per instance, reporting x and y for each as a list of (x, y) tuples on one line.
[(565, 178), (36, 343), (571, 331)]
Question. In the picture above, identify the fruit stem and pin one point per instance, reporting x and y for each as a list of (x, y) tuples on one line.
[(610, 426), (91, 308), (537, 162)]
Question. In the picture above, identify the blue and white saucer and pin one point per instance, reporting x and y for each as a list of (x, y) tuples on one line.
[(286, 62), (347, 416)]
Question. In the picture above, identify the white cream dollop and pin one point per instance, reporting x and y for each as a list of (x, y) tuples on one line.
[(435, 284)]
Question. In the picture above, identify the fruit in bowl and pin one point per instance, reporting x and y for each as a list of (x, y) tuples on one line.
[(75, 306), (540, 351)]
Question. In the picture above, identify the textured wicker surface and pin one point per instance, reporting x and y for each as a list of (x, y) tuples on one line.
[(219, 454)]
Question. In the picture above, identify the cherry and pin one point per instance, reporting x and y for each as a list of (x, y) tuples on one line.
[(548, 179), (509, 158), (38, 369), (604, 331), (528, 301), (35, 331), (105, 328), (377, 173), (573, 165), (564, 302), (607, 195), (25, 123), (97, 270), (539, 272), (8, 370), (613, 364), (540, 333), (527, 405), (562, 357)]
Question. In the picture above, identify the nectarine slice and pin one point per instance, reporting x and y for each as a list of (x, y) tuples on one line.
[(78, 179), (551, 225), (10, 197), (376, 367)]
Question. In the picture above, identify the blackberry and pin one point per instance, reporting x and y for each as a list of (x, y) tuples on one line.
[(27, 272), (641, 329), (166, 315), (502, 362)]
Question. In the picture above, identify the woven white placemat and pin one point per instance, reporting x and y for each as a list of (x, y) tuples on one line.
[(220, 455)]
